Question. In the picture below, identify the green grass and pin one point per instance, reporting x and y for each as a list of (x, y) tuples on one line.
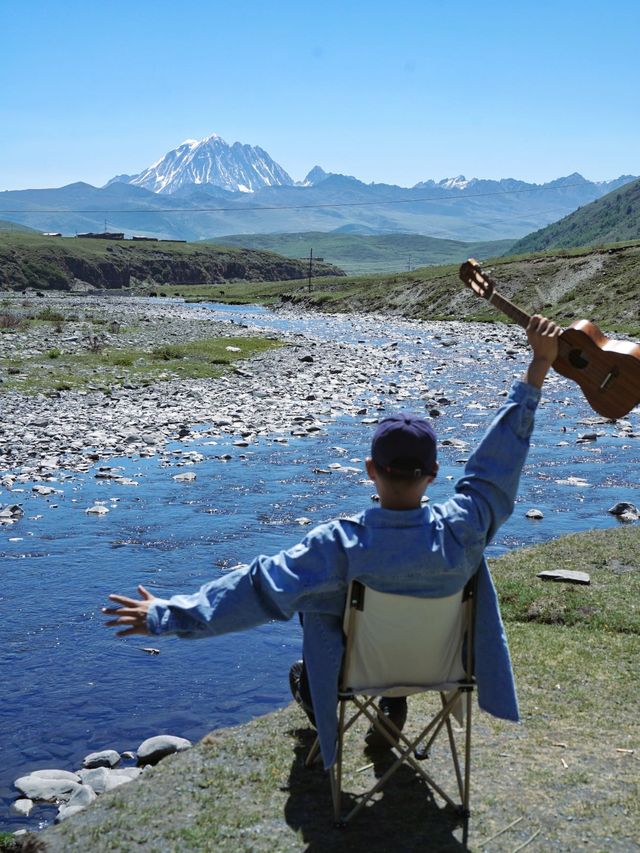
[(362, 254), (611, 603), (111, 367), (7, 842)]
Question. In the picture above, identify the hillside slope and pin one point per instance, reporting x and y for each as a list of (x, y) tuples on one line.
[(57, 263), (599, 285), (360, 253), (613, 218)]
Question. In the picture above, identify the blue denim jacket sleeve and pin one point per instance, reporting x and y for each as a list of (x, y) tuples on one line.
[(485, 494), (303, 578)]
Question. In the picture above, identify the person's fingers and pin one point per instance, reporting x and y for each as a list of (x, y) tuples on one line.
[(123, 599), (124, 620), (144, 592), (123, 611)]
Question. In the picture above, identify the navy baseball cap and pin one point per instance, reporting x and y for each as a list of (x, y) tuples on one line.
[(406, 444)]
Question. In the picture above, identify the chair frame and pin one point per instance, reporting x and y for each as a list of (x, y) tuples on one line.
[(404, 748)]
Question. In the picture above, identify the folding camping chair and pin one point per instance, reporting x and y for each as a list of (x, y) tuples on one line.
[(398, 645)]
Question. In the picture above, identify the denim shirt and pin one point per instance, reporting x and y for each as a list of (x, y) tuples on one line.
[(428, 552)]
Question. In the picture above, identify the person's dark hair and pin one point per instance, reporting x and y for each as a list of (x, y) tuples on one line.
[(405, 469)]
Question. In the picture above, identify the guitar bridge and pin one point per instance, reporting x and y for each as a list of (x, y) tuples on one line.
[(608, 379)]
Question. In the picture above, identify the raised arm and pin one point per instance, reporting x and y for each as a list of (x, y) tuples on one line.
[(542, 335)]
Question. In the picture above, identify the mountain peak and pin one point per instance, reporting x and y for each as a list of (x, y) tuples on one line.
[(237, 168), (315, 176)]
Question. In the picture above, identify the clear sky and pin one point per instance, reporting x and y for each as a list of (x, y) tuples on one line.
[(397, 91)]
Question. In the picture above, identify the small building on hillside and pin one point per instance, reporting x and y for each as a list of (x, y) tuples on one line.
[(103, 235)]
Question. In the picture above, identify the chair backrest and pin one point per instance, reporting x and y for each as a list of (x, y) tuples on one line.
[(399, 644)]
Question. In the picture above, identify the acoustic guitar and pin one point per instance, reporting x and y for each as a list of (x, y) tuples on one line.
[(608, 372)]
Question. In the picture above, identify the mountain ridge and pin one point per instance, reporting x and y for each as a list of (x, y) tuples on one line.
[(615, 217)]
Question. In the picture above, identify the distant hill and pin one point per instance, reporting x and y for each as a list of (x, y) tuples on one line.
[(64, 263), (5, 225), (357, 253), (614, 218)]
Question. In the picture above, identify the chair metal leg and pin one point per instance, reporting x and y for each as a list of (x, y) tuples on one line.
[(467, 757), (313, 753), (336, 770)]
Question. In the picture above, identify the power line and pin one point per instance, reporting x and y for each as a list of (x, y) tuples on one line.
[(376, 203)]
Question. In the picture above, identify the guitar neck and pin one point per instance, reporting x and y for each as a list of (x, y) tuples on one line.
[(511, 310)]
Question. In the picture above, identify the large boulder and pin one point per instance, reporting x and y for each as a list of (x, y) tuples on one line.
[(48, 785), (154, 749), (82, 797), (105, 758), (103, 779)]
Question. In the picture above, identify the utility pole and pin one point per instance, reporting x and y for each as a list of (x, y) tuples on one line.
[(310, 265), (105, 226)]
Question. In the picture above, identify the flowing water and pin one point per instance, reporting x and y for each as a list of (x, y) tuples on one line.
[(69, 688)]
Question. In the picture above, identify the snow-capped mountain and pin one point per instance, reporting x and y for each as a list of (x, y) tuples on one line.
[(237, 168)]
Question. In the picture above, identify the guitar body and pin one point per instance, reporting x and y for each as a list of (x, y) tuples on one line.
[(608, 372)]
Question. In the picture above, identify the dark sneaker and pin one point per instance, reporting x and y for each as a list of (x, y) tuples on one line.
[(300, 689), (389, 708)]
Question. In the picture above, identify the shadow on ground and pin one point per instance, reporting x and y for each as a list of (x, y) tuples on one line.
[(405, 818)]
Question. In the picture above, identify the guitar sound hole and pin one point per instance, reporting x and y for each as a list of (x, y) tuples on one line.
[(577, 360)]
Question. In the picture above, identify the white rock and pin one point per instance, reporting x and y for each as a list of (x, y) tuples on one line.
[(47, 788), (186, 477), (534, 513), (105, 758), (82, 797), (43, 490), (98, 509), (153, 749), (22, 807)]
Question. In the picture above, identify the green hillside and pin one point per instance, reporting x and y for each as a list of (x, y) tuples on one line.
[(358, 253), (61, 263), (601, 285), (614, 218)]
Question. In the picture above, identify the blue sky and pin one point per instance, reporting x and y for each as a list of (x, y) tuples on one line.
[(386, 91)]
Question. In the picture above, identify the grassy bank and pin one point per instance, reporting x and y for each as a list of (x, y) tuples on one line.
[(111, 367), (601, 284), (565, 779)]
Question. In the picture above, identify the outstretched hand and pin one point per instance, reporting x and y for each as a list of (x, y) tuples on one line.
[(131, 613)]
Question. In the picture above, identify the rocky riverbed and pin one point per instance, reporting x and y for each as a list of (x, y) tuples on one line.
[(290, 390)]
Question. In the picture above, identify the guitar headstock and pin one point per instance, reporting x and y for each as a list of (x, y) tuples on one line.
[(472, 275)]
